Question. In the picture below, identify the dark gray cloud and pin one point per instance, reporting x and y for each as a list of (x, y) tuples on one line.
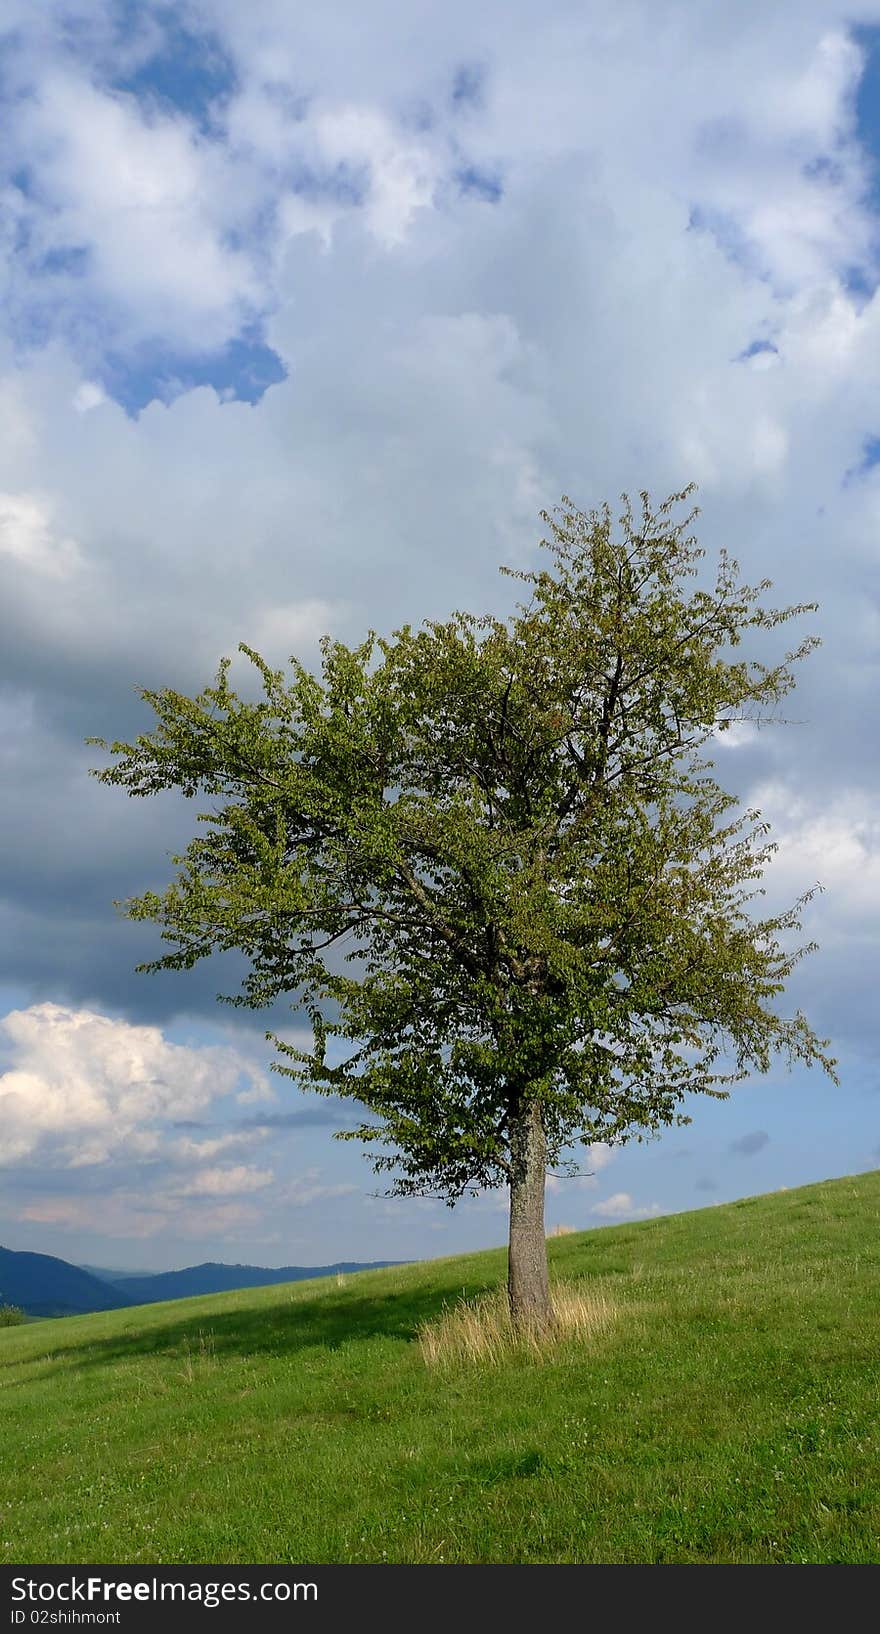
[(749, 1145), (325, 1112)]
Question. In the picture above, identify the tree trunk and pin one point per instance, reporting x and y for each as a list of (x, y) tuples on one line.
[(527, 1279)]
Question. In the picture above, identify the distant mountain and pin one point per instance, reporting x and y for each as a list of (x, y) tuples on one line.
[(45, 1286), (117, 1273), (212, 1278)]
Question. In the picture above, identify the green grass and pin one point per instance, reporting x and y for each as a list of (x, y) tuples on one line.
[(729, 1412)]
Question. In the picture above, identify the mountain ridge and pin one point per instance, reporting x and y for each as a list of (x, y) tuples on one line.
[(216, 1277), (44, 1285)]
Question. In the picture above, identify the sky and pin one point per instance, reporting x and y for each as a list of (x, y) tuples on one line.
[(307, 312)]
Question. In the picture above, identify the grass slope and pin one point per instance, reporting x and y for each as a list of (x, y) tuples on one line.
[(730, 1412)]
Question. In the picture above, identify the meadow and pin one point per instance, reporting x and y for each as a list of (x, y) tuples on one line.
[(726, 1410)]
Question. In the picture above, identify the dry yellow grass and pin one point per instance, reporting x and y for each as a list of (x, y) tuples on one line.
[(480, 1331)]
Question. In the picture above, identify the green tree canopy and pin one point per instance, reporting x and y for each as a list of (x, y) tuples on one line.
[(488, 859)]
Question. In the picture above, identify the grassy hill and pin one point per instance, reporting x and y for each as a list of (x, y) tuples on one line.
[(728, 1412)]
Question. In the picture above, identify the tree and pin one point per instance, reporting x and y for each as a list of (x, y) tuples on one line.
[(487, 860)]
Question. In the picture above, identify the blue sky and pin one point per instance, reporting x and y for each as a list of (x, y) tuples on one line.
[(305, 318)]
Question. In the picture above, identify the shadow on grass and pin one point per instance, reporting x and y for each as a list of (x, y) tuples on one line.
[(279, 1329)]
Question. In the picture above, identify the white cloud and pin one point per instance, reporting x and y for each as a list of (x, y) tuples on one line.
[(184, 1149), (88, 396), (599, 1155), (84, 1087), (277, 631), (233, 1181), (28, 540), (309, 1188), (297, 215), (620, 1206), (133, 1217), (737, 735), (593, 1159), (401, 174), (260, 1094), (16, 429), (146, 200), (185, 234), (832, 839)]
